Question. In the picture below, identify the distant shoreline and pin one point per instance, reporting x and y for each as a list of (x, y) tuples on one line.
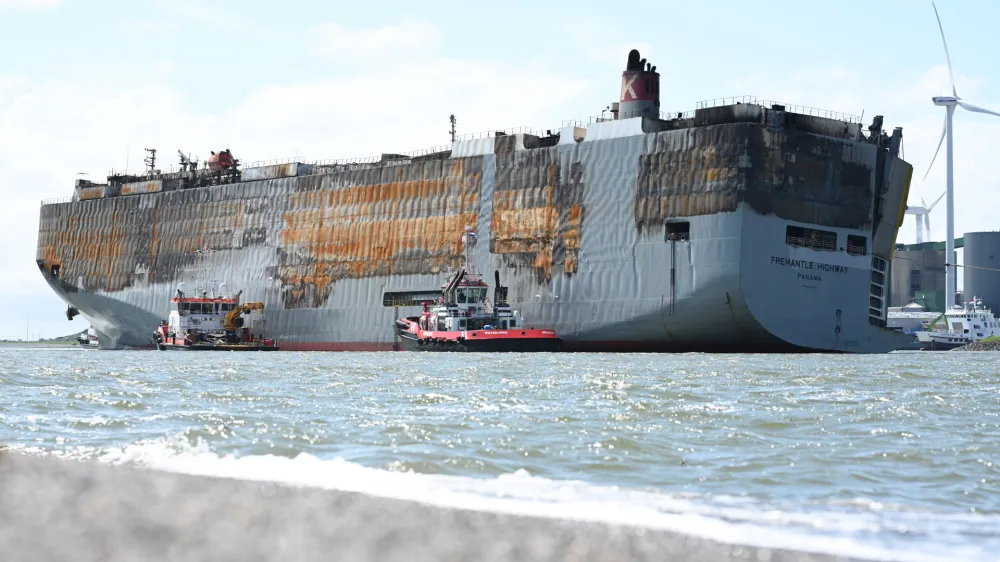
[(40, 344)]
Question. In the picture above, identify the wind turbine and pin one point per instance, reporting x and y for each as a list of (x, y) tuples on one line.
[(950, 102), (923, 214)]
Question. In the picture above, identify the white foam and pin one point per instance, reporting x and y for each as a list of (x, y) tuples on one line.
[(734, 520)]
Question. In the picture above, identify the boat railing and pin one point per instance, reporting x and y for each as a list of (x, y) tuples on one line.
[(790, 108), (813, 111), (502, 132), (57, 200), (732, 100)]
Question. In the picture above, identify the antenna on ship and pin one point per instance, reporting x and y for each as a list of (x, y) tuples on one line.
[(151, 159), (187, 161), (453, 121)]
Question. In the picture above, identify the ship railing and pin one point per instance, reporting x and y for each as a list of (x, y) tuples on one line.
[(493, 133), (57, 200), (732, 100), (662, 115), (814, 111), (790, 108), (272, 162)]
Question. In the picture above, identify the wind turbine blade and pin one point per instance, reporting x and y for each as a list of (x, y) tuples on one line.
[(944, 131), (922, 202), (936, 201), (976, 108), (927, 227), (946, 55)]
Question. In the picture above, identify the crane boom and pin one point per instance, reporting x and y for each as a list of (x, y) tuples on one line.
[(232, 318)]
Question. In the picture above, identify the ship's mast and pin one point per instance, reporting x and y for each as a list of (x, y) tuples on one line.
[(452, 131), (151, 160)]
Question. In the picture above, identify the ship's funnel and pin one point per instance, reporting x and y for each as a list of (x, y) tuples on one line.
[(640, 96)]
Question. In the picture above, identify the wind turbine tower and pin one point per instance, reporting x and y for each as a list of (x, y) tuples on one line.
[(949, 103), (923, 215)]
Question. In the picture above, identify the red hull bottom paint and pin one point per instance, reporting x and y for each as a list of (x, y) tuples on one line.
[(579, 346), (338, 346)]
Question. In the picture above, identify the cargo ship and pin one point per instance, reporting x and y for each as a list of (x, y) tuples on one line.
[(742, 226)]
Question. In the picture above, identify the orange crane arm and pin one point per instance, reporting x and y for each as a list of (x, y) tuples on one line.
[(232, 317)]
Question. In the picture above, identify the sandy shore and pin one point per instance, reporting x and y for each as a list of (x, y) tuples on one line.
[(63, 510)]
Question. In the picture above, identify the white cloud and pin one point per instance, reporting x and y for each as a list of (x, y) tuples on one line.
[(29, 4)]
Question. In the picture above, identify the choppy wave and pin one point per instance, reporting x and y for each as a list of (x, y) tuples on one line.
[(891, 457)]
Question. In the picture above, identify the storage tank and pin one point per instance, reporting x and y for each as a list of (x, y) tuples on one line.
[(982, 250)]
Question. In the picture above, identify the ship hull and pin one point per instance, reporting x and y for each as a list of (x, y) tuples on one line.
[(499, 345), (167, 347), (580, 233)]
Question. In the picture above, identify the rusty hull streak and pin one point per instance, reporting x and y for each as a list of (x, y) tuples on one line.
[(412, 223), (537, 210)]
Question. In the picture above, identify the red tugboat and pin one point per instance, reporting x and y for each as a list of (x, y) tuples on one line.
[(463, 319), (212, 323)]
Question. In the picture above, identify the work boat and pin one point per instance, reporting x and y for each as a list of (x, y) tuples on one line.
[(964, 325), (213, 323), (464, 319)]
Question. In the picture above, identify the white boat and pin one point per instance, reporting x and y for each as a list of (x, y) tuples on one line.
[(911, 318), (964, 325), (88, 339), (212, 322)]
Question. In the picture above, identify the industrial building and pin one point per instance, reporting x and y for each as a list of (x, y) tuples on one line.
[(918, 272), (918, 275)]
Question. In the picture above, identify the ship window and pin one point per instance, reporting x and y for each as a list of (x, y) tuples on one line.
[(462, 324), (461, 296), (811, 238), (857, 245), (55, 270), (678, 231)]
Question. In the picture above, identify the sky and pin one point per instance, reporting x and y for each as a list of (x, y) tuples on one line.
[(85, 85)]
